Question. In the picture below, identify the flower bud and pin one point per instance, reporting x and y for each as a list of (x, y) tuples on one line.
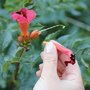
[(20, 38), (34, 34)]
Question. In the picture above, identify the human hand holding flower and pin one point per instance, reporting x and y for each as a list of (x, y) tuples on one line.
[(54, 74), (59, 70), (24, 17)]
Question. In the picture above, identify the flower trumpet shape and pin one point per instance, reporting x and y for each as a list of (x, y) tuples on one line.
[(24, 18)]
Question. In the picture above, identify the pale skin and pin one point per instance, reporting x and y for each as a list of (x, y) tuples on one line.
[(54, 75)]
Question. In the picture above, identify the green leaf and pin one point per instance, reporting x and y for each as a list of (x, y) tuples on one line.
[(82, 44), (7, 38), (52, 35), (6, 66)]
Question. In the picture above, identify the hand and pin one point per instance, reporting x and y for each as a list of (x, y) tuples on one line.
[(54, 74)]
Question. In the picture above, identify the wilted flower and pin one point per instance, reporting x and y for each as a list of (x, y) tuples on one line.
[(68, 53)]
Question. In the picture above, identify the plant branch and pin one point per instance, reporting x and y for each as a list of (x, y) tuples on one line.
[(18, 63), (22, 54), (53, 27)]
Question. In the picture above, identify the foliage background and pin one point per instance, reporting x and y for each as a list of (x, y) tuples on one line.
[(74, 14)]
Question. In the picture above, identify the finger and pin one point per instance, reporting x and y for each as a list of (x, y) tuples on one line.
[(60, 70), (40, 66), (38, 73), (42, 54), (49, 61)]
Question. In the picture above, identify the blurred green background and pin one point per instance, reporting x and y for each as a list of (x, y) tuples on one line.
[(74, 14)]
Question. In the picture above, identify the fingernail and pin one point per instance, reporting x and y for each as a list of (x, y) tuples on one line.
[(49, 47)]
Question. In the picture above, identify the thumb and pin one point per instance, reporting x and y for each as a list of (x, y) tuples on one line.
[(49, 61)]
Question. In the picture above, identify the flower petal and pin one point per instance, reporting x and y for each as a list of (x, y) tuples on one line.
[(20, 18), (24, 15), (24, 28), (70, 57), (31, 14)]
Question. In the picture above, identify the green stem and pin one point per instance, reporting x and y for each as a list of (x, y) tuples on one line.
[(18, 63), (21, 58), (13, 62), (22, 54), (53, 27)]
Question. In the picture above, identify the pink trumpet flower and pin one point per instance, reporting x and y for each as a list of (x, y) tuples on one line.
[(24, 18)]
